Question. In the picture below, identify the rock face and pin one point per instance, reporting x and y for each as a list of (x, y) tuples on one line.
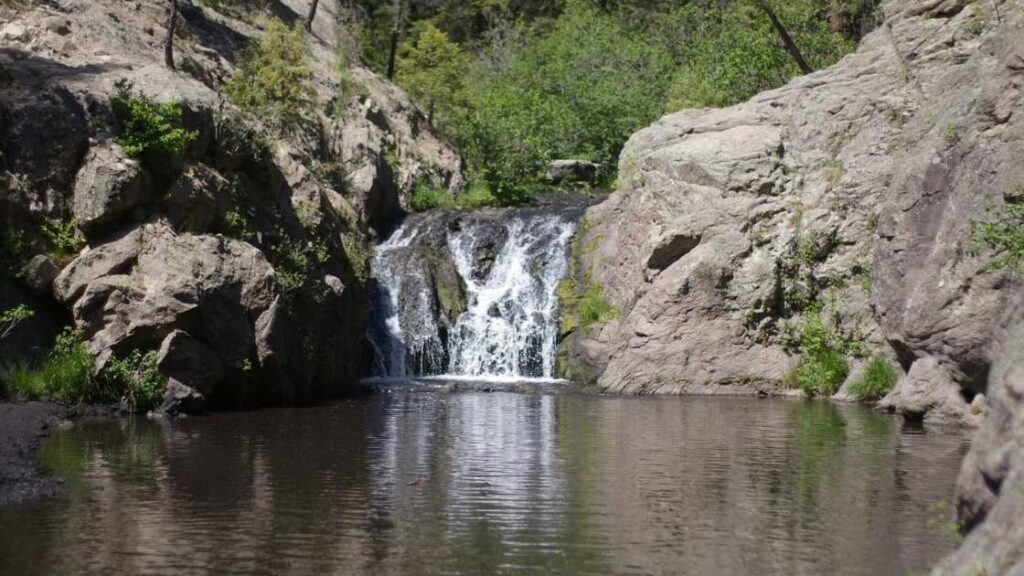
[(243, 263), (851, 190), (989, 499)]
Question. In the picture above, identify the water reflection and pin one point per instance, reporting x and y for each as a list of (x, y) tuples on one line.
[(493, 483)]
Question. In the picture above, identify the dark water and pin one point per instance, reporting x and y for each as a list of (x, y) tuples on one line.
[(482, 483)]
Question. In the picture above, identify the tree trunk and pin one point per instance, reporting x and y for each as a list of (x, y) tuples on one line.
[(169, 45), (837, 18), (394, 39), (787, 41), (311, 15)]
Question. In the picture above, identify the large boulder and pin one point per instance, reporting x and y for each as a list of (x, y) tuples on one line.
[(989, 498), (109, 189), (200, 297)]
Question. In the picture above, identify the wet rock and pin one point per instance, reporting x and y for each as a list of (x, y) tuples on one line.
[(181, 399), (189, 362), (927, 389), (108, 189)]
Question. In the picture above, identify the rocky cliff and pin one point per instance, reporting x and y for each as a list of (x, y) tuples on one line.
[(850, 193), (244, 263)]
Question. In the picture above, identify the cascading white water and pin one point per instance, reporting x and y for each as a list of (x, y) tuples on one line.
[(509, 326)]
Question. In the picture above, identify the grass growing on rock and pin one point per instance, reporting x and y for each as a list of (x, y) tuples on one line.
[(428, 197), (878, 379), (1003, 233)]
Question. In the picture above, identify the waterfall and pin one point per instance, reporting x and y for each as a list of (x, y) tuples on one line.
[(470, 295)]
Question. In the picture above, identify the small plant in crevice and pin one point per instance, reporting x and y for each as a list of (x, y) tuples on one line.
[(975, 23), (236, 222), (950, 134), (359, 256), (64, 239), (147, 129), (1002, 233), (296, 262), (878, 379)]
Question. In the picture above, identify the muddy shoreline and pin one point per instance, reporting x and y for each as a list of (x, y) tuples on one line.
[(23, 425)]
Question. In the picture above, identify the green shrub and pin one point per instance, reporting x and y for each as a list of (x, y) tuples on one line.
[(134, 380), (428, 197), (64, 239), (274, 78), (10, 318), (822, 366), (1003, 233), (147, 129), (476, 195), (66, 375), (878, 379)]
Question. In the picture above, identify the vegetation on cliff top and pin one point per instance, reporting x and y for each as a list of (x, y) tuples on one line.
[(518, 84)]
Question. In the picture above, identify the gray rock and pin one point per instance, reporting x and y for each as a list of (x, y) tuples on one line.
[(838, 187), (197, 199), (189, 362), (181, 399), (570, 171), (39, 273), (109, 187), (928, 390), (989, 498)]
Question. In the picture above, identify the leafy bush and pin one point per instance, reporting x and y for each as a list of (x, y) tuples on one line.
[(64, 239), (148, 129), (428, 197), (10, 318), (274, 78), (476, 195), (1004, 233), (66, 375), (822, 366), (878, 379)]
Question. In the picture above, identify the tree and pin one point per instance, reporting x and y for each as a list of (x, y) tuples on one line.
[(431, 69), (311, 15), (169, 44), (395, 31), (787, 41)]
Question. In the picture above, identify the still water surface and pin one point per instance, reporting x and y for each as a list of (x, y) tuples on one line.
[(485, 483)]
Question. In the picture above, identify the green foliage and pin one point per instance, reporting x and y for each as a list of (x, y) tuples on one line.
[(950, 134), (296, 262), (1003, 233), (64, 239), (728, 53), (66, 375), (13, 250), (10, 318), (274, 78), (236, 219), (576, 91), (941, 522), (359, 256), (147, 129), (476, 195), (428, 197), (135, 380), (975, 23), (431, 68), (582, 306), (878, 378), (822, 366)]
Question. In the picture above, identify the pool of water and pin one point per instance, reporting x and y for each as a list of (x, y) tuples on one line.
[(495, 482)]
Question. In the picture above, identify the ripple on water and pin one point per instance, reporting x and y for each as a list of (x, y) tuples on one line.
[(473, 483)]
